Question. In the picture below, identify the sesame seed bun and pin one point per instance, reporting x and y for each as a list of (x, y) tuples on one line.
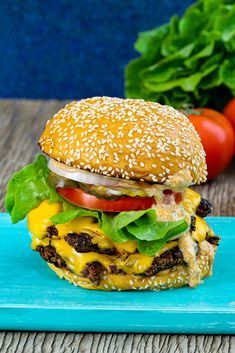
[(172, 278), (126, 138)]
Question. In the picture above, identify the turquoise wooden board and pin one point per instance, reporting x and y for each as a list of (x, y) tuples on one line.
[(33, 298)]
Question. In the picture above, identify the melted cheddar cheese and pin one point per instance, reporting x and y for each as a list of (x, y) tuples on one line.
[(39, 218), (190, 202), (128, 259)]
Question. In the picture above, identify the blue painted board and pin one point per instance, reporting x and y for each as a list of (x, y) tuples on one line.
[(33, 298)]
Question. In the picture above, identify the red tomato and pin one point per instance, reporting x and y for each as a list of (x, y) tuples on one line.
[(217, 137), (82, 199), (229, 112)]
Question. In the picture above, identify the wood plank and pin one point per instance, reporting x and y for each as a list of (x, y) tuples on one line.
[(21, 122), (37, 342)]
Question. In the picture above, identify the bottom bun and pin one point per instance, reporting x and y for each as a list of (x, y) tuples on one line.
[(173, 278)]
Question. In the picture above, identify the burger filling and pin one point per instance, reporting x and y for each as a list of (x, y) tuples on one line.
[(94, 230)]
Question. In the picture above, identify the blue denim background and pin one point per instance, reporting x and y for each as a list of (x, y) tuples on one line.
[(73, 48)]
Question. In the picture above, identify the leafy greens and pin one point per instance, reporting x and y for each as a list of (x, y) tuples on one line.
[(190, 60), (28, 187), (141, 226)]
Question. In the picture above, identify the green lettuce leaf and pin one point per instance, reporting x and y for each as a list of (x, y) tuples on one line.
[(152, 247), (227, 72), (188, 60), (156, 231), (116, 226), (27, 188), (109, 227), (149, 42), (69, 215)]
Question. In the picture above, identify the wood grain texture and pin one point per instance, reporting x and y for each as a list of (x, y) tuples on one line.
[(21, 123), (40, 342)]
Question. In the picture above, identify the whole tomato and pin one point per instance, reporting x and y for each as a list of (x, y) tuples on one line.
[(229, 112), (217, 138)]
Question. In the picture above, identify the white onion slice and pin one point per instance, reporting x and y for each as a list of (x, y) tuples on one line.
[(86, 177)]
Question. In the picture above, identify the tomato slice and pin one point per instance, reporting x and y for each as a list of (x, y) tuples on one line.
[(81, 198)]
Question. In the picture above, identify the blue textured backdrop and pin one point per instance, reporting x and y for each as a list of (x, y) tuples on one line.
[(73, 48)]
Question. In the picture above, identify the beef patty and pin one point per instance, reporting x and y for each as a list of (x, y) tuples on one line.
[(49, 254), (213, 239), (168, 259), (83, 243), (204, 208), (93, 271)]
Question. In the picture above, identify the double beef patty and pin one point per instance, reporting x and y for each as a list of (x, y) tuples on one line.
[(83, 243)]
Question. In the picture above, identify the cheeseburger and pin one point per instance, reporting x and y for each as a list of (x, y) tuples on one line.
[(108, 201)]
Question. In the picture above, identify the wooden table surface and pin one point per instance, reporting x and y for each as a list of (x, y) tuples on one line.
[(21, 123)]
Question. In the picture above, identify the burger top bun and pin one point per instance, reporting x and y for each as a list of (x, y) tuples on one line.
[(126, 138)]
